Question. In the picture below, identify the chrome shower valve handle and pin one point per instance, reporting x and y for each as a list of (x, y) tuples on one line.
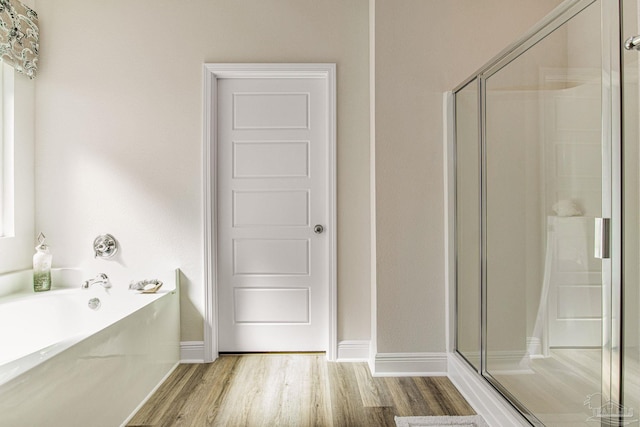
[(105, 246)]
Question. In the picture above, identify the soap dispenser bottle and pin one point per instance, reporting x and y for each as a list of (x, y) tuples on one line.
[(42, 266)]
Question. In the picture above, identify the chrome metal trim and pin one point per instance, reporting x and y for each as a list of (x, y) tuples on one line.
[(601, 246), (612, 69), (454, 162), (482, 129), (623, 144), (613, 17)]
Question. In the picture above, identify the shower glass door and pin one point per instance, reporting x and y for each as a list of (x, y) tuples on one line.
[(547, 158), (544, 180), (468, 242)]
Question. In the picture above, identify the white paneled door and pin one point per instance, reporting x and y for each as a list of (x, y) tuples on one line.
[(273, 217)]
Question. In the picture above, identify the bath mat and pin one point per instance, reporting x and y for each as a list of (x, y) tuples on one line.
[(467, 421)]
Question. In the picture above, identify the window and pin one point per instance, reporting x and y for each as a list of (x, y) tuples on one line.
[(6, 150)]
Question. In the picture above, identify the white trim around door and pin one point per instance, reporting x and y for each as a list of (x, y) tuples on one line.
[(213, 72)]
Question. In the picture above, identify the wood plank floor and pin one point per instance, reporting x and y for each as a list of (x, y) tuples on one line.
[(293, 390)]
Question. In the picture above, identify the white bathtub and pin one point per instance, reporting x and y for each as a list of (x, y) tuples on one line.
[(65, 364)]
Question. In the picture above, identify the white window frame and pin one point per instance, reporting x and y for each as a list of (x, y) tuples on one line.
[(7, 193)]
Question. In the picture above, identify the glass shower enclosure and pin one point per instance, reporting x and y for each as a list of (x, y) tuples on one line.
[(547, 218)]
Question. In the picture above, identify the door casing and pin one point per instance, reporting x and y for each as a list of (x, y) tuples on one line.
[(213, 72)]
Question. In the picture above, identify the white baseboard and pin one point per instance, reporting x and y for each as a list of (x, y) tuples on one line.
[(409, 364), (353, 351), (481, 396), (192, 352)]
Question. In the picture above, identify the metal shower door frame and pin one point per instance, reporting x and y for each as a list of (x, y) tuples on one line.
[(611, 186)]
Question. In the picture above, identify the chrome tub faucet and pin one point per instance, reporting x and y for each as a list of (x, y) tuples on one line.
[(101, 279)]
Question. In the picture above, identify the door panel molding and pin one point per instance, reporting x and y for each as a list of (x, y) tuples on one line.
[(212, 72)]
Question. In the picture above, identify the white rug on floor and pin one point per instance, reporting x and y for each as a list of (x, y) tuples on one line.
[(467, 421)]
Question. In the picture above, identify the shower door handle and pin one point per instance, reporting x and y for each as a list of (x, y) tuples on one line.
[(632, 43), (601, 238)]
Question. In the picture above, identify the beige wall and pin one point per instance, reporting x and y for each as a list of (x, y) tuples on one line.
[(119, 119), (119, 129), (422, 49)]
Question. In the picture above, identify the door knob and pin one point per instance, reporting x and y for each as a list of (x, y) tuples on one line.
[(318, 229)]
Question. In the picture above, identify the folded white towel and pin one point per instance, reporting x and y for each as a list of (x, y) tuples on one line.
[(567, 207)]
